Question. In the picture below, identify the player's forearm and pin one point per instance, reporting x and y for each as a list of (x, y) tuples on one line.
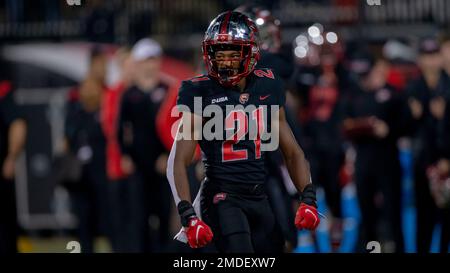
[(180, 158), (181, 180), (17, 136), (294, 156), (298, 168)]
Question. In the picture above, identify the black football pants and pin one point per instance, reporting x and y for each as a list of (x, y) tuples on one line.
[(241, 218)]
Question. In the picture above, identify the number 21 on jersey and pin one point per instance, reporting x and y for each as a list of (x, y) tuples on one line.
[(239, 120)]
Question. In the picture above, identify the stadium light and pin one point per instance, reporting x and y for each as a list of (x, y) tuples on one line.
[(317, 40), (331, 37), (313, 31), (300, 52), (301, 40)]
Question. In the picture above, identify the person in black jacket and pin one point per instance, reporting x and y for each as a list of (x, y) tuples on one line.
[(372, 123), (141, 147), (12, 139), (86, 141), (429, 128)]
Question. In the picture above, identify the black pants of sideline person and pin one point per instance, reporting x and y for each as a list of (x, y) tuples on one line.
[(374, 177), (8, 217), (90, 204), (428, 215), (125, 211)]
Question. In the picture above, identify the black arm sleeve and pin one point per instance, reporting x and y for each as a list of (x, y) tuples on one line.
[(443, 133), (9, 111), (409, 123), (400, 114), (71, 126)]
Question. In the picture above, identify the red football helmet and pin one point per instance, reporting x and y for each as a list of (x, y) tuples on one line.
[(231, 30)]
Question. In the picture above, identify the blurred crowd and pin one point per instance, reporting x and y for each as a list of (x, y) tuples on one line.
[(364, 104), (352, 106)]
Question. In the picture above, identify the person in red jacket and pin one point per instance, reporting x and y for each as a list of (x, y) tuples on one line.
[(142, 147), (123, 221), (109, 116)]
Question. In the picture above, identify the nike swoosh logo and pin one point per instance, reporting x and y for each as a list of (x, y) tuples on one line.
[(196, 233), (264, 97), (310, 211)]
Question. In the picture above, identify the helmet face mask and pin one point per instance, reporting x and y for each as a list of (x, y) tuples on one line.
[(230, 48)]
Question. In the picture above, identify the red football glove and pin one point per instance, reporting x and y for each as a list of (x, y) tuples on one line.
[(198, 233), (306, 217)]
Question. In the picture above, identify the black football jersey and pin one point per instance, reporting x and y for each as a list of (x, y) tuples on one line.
[(236, 157)]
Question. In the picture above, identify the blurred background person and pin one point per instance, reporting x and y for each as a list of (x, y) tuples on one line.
[(323, 138), (86, 141), (441, 111), (110, 113), (142, 150), (419, 94), (320, 87), (439, 169), (120, 188), (13, 131), (371, 121)]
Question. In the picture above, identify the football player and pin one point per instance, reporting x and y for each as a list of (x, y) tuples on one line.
[(235, 212)]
